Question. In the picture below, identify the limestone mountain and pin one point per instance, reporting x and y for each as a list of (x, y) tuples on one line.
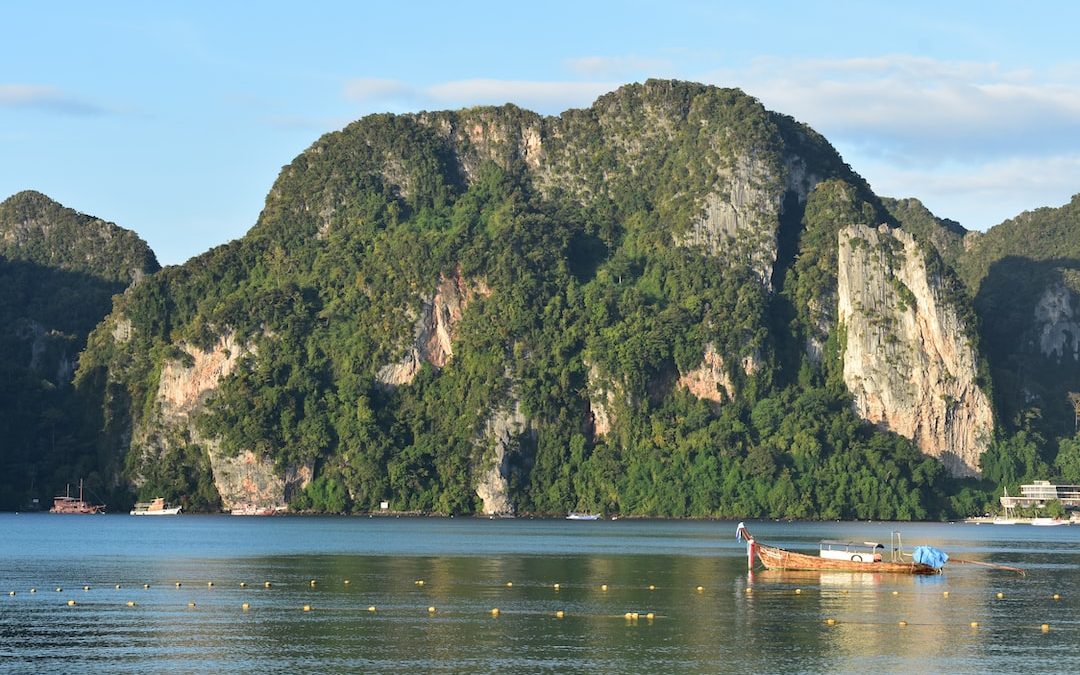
[(58, 272), (633, 307)]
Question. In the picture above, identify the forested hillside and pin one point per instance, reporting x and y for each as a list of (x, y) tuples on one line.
[(672, 303), (58, 272)]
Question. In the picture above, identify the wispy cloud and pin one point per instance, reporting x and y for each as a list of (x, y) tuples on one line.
[(46, 98), (544, 97), (917, 108)]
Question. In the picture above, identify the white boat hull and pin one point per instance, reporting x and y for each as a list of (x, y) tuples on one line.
[(175, 511)]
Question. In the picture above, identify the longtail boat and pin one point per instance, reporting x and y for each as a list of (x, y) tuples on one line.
[(833, 556)]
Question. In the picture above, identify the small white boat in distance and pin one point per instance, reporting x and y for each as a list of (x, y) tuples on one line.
[(574, 515), (1048, 522), (155, 508)]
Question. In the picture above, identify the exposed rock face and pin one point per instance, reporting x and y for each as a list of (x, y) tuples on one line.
[(1056, 324), (246, 480), (434, 331), (710, 381), (602, 399), (501, 437), (908, 362)]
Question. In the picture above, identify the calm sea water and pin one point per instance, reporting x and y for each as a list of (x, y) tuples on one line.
[(201, 570)]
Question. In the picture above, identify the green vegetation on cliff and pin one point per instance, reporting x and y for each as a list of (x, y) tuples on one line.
[(58, 272), (591, 284)]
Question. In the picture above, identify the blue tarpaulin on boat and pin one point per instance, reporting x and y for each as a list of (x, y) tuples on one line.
[(928, 555)]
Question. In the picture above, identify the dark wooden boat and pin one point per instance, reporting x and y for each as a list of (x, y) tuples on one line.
[(774, 558), (69, 504)]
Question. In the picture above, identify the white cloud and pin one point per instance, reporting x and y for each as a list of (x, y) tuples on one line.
[(544, 97), (43, 97), (917, 108), (978, 194)]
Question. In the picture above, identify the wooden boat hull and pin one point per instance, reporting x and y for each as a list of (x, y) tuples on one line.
[(780, 559)]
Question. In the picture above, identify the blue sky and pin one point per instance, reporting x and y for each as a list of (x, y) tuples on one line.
[(173, 119)]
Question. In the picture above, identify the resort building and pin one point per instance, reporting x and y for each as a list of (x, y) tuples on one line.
[(1042, 491)]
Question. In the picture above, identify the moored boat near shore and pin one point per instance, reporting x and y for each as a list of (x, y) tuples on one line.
[(155, 507), (839, 556), (574, 515), (69, 504)]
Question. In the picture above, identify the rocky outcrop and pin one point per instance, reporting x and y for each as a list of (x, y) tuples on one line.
[(185, 385), (501, 438), (908, 361), (435, 329), (603, 398), (710, 381), (1056, 324)]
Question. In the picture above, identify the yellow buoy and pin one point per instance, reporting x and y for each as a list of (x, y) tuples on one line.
[(419, 582), (700, 589), (146, 585), (191, 604), (627, 616), (33, 590), (209, 584), (896, 592), (1056, 596), (431, 610), (131, 603), (560, 614), (494, 611), (117, 586), (371, 608), (1000, 596), (903, 623), (243, 584), (945, 594), (650, 616), (71, 603), (312, 582), (245, 606), (86, 588), (11, 592), (307, 608), (556, 586), (178, 584), (1046, 628), (651, 587), (634, 616), (831, 622), (267, 585), (346, 582), (974, 624), (798, 590), (749, 590), (603, 587), (509, 584)]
